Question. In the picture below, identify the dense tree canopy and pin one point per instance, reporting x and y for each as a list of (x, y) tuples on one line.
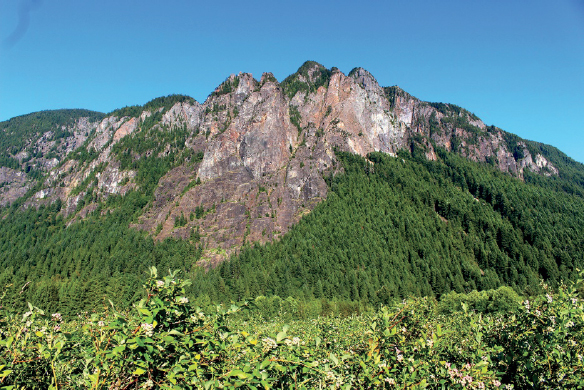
[(390, 228), (393, 227)]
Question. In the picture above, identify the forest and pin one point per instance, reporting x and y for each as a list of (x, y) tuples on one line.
[(411, 274), (490, 340), (391, 228)]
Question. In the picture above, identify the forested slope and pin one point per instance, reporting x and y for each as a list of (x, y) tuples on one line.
[(20, 132), (391, 227), (259, 147), (401, 226)]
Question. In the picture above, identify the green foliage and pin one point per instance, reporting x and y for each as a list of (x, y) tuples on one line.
[(192, 184), (10, 162), (570, 178), (128, 111), (162, 341), (153, 151), (199, 212), (293, 83), (195, 235), (512, 142), (71, 268), (461, 226), (89, 179), (393, 227), (269, 78), (395, 92), (454, 118), (418, 148), (17, 132), (165, 342), (180, 221), (461, 122), (228, 86), (198, 157), (434, 125), (295, 118), (163, 102), (83, 154), (448, 109), (502, 300), (545, 339)]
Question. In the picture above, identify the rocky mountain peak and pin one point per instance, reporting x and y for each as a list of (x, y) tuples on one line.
[(310, 71), (365, 79), (246, 164), (268, 77), (247, 84), (241, 84)]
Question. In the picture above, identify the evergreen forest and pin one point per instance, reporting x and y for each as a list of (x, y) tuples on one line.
[(412, 274), (130, 254), (391, 228)]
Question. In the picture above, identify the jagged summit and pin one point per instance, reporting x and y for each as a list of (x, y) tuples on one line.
[(241, 83), (268, 77), (364, 78), (249, 162), (309, 67), (308, 78)]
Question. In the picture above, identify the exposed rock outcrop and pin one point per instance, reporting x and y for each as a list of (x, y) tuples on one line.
[(257, 153)]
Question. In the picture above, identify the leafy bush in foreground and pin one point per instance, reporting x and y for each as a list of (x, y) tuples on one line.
[(166, 343)]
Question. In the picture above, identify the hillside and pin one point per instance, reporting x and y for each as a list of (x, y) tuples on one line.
[(395, 196), (396, 227), (31, 145)]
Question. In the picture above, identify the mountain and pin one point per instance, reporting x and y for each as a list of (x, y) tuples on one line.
[(395, 227), (31, 145), (243, 167), (263, 148)]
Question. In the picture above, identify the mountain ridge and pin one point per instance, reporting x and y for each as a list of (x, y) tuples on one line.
[(249, 162)]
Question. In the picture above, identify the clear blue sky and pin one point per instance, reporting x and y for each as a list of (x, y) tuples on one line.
[(518, 64)]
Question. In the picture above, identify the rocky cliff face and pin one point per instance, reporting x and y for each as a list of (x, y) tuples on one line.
[(35, 144), (249, 162)]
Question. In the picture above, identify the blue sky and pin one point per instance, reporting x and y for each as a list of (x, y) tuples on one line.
[(518, 64)]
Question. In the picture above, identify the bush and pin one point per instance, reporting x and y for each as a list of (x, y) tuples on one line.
[(166, 343), (501, 300)]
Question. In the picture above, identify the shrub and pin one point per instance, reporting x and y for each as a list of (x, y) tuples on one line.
[(165, 342)]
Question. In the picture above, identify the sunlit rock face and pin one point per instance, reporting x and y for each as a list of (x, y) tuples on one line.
[(264, 149)]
